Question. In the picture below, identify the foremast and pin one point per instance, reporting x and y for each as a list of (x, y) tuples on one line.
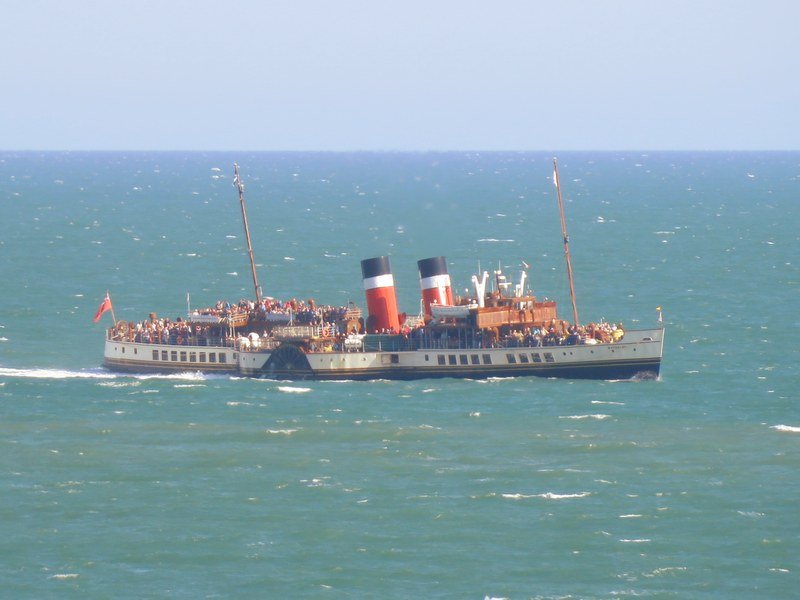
[(240, 186)]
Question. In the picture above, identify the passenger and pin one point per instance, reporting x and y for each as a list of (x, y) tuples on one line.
[(551, 339), (537, 338), (572, 339)]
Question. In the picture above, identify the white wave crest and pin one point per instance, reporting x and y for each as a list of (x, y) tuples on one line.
[(635, 540), (293, 390), (786, 428), (552, 496), (281, 431), (37, 373), (664, 571), (599, 417), (54, 374), (185, 375), (546, 496)]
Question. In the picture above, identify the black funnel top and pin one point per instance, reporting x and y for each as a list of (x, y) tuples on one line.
[(428, 267), (372, 267)]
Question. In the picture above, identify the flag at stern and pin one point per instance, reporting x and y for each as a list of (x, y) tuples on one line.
[(104, 306)]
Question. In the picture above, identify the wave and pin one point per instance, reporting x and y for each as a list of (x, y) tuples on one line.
[(97, 373), (496, 241), (664, 570), (546, 496), (281, 431), (54, 374), (599, 417), (293, 390), (552, 496), (786, 428), (635, 540)]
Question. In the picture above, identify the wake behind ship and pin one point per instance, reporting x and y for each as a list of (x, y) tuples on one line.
[(497, 330)]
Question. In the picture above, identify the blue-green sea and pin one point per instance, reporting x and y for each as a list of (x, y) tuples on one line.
[(196, 486)]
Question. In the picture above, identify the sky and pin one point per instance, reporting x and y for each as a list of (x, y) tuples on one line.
[(344, 75)]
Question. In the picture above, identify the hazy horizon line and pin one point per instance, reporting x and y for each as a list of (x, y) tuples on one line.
[(402, 151)]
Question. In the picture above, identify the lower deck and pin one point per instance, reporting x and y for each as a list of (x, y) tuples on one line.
[(139, 357)]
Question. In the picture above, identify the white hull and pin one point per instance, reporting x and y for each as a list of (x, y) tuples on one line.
[(638, 355), (138, 357)]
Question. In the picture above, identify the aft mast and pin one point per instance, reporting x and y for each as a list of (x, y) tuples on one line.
[(566, 244), (240, 186)]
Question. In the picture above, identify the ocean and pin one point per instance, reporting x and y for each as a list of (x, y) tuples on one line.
[(197, 486)]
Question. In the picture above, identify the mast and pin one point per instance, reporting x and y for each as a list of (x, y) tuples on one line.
[(566, 244), (240, 186)]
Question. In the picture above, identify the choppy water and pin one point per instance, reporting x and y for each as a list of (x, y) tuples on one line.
[(199, 486)]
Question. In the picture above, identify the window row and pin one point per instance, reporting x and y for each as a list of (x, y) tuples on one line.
[(486, 359), (173, 356)]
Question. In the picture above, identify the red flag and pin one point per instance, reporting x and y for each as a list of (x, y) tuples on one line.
[(106, 305)]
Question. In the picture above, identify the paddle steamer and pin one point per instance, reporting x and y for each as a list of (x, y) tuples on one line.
[(502, 332)]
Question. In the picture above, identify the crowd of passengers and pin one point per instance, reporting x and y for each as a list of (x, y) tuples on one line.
[(164, 331), (567, 335), (180, 331), (327, 317), (557, 333), (302, 312)]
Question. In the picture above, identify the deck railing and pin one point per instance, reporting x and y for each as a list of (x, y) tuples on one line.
[(468, 341)]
